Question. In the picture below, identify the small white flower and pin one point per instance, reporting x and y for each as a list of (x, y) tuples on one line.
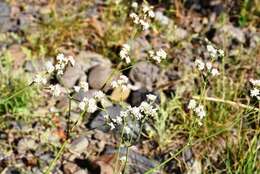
[(118, 120), (255, 82), (212, 51), (84, 85), (144, 24), (124, 79), (91, 105), (161, 53), (106, 116), (221, 53), (127, 130), (134, 5), (40, 80), (214, 72), (114, 84), (82, 105), (254, 92), (135, 111), (161, 18), (126, 47), (61, 58), (135, 18), (151, 14), (148, 109), (192, 104), (158, 55), (121, 82), (123, 158), (88, 104), (76, 88), (124, 114), (112, 126), (124, 53), (200, 111), (56, 90), (146, 8), (200, 64), (49, 67), (151, 97), (209, 65), (99, 95)]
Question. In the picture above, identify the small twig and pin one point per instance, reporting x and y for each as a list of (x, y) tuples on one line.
[(227, 102), (68, 118)]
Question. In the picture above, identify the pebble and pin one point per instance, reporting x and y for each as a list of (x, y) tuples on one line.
[(79, 145), (99, 77), (70, 168), (4, 16), (145, 74), (26, 144), (99, 121)]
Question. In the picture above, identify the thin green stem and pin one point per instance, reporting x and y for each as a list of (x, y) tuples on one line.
[(53, 163)]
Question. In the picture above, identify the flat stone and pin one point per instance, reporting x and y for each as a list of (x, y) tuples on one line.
[(145, 74), (26, 144), (99, 76), (79, 145)]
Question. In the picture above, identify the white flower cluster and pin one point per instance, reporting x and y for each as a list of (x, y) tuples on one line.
[(255, 92), (82, 85), (40, 79), (145, 110), (213, 52), (124, 53), (59, 67), (158, 56), (197, 108), (122, 82), (90, 104), (56, 90), (62, 62), (147, 12), (206, 66)]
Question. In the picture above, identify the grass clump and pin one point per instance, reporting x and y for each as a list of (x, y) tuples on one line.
[(13, 83)]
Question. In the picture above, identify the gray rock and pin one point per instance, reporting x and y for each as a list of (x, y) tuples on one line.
[(4, 16), (81, 171), (79, 145), (145, 74), (235, 32), (11, 170), (180, 34), (26, 144), (69, 168), (139, 48), (99, 121), (84, 62), (89, 60), (72, 75), (137, 163), (99, 77)]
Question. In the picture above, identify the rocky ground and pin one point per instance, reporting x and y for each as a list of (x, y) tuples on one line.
[(31, 33)]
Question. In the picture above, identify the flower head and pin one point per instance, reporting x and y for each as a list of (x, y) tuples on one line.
[(124, 53), (192, 104), (56, 90), (49, 67)]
